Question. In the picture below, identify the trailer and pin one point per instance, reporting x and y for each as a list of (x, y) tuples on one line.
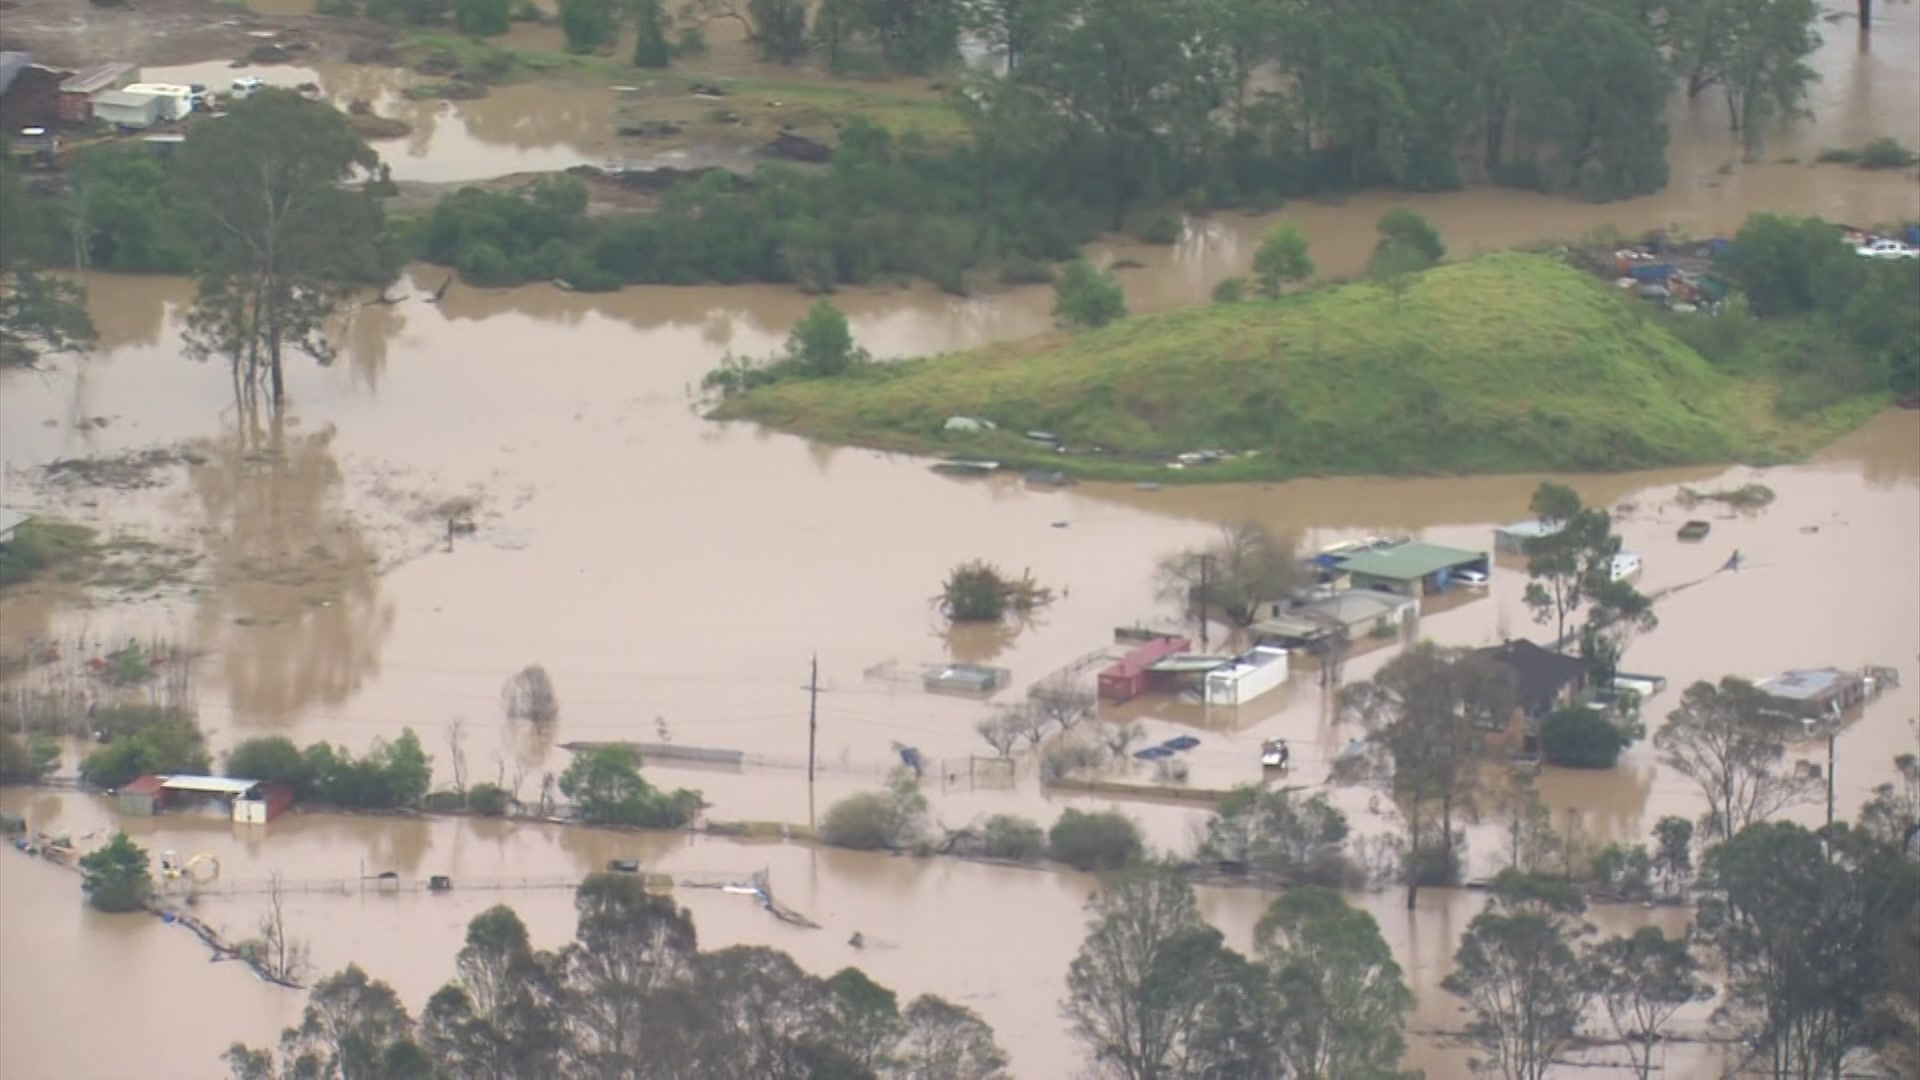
[(1247, 677), (1129, 677)]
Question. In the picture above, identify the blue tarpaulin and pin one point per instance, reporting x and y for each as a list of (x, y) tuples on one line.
[(1182, 742)]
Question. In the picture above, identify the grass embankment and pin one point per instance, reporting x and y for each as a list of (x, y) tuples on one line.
[(1510, 362)]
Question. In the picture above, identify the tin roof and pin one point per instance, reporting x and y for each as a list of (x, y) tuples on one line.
[(148, 784), (211, 785), (95, 78), (125, 99), (1528, 530), (1409, 561), (1807, 684), (11, 65), (11, 519)]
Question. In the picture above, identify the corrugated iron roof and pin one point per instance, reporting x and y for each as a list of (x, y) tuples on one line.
[(211, 785), (11, 519), (1806, 684), (95, 78), (11, 65), (1409, 561)]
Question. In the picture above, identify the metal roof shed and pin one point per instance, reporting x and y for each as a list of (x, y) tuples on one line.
[(210, 785), (1514, 537), (104, 77), (1411, 567), (11, 65)]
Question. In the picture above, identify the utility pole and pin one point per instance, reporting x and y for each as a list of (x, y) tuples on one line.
[(813, 726), (1833, 735), (1206, 583)]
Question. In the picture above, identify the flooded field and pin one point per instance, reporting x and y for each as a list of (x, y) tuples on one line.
[(675, 576), (996, 939)]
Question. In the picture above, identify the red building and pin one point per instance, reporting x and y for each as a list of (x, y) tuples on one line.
[(1128, 677)]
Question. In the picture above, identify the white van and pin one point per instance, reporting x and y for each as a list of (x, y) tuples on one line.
[(246, 86)]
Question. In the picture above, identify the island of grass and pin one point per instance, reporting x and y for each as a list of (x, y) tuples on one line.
[(1507, 362)]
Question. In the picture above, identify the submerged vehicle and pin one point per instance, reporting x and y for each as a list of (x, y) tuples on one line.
[(1274, 754)]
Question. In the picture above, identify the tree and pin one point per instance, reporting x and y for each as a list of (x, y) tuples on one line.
[(1787, 265), (500, 1017), (1393, 268), (1568, 563), (1282, 258), (650, 47), (529, 696), (283, 239), (1085, 297), (1642, 979), (1804, 936), (1097, 840), (606, 787), (274, 758), (1518, 974), (27, 763), (629, 946), (1063, 705), (1010, 27), (284, 958), (891, 819), (588, 24), (979, 592), (1421, 714), (915, 36), (944, 1041), (821, 344), (1342, 1004), (1009, 836), (1756, 51), (483, 18), (1892, 816), (353, 1026), (866, 1015), (1673, 853), (116, 878), (1590, 91), (1580, 738), (1298, 841), (1727, 740), (37, 313), (1619, 613), (1001, 730), (170, 746), (780, 26), (1139, 989), (1249, 566), (1403, 227)]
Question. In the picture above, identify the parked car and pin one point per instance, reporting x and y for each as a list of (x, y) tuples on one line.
[(246, 86), (1887, 249), (1471, 578)]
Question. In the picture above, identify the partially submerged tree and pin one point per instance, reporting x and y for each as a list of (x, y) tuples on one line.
[(1519, 976), (1299, 841), (116, 877), (1728, 741), (528, 695), (283, 957), (38, 314), (1063, 705), (891, 819), (1139, 990), (1248, 566), (1342, 1004), (606, 787), (979, 592), (1423, 714), (283, 239), (944, 1041), (1642, 980), (1085, 297)]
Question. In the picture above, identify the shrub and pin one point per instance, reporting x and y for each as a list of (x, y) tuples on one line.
[(1103, 840), (273, 757), (980, 592), (893, 819), (26, 763), (1230, 290), (606, 788), (483, 18), (38, 545), (172, 746), (1838, 155), (116, 876), (1580, 739), (488, 800), (1301, 841), (1885, 152), (1625, 872), (1161, 228), (1010, 836), (1083, 296), (1067, 756)]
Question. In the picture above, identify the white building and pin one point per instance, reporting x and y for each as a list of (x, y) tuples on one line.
[(1624, 567), (176, 102), (122, 108), (1247, 677)]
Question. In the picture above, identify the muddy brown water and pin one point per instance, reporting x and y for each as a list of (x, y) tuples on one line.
[(676, 575)]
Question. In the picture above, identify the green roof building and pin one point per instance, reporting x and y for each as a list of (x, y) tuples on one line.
[(1413, 568)]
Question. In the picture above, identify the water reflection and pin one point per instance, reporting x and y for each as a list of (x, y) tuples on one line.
[(293, 614)]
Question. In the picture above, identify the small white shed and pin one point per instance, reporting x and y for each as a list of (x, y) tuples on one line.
[(176, 102), (1247, 677), (123, 108)]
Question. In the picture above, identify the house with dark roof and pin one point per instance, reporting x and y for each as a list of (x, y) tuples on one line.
[(1543, 680)]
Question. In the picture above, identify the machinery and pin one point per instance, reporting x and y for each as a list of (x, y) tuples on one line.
[(201, 867)]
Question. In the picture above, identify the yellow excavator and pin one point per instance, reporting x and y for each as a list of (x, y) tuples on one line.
[(201, 867)]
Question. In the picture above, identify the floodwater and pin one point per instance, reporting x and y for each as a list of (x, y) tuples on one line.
[(675, 577), (930, 926)]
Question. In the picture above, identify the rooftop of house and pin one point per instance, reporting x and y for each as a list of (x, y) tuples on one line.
[(1808, 684), (96, 78), (1540, 674), (1530, 529), (1410, 561), (211, 785), (11, 519)]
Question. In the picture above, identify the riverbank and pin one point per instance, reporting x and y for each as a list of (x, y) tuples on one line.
[(1505, 363)]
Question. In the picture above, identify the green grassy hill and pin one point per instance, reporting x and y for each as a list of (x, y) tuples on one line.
[(1507, 362)]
